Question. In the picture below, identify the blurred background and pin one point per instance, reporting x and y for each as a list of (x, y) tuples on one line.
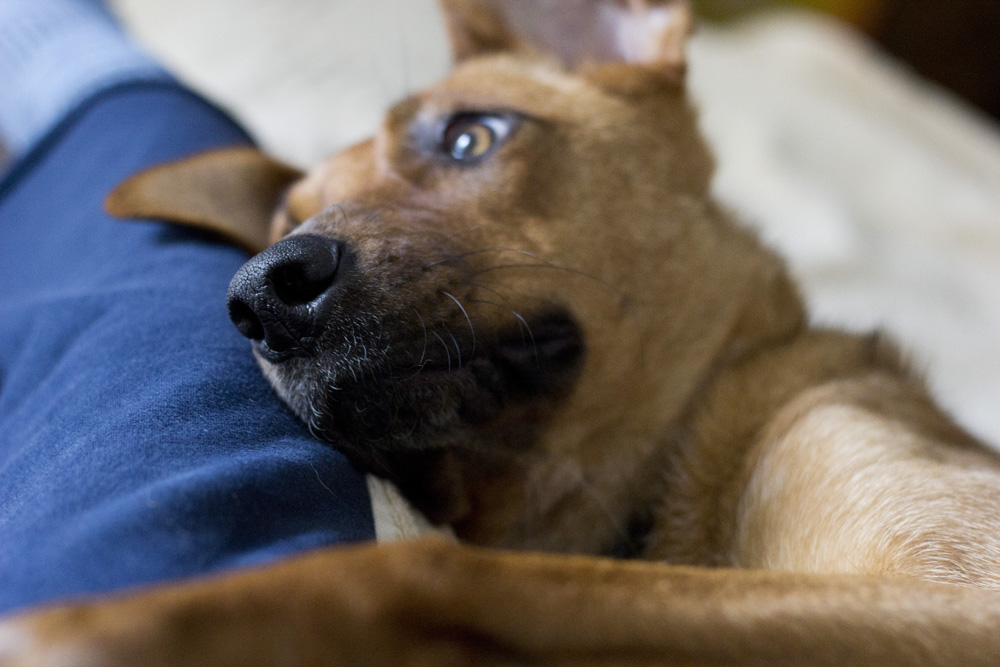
[(859, 136), (953, 42)]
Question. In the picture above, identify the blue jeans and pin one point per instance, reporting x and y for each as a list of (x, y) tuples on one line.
[(138, 440)]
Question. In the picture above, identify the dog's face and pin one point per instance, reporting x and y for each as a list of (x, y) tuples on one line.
[(505, 236), (510, 294)]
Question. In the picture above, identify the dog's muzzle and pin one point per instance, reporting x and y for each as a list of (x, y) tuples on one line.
[(279, 299)]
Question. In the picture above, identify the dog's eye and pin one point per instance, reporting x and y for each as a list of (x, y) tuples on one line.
[(469, 137)]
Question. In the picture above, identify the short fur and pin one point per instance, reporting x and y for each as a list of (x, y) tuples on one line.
[(804, 498)]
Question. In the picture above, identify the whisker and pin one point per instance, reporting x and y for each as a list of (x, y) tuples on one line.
[(446, 351), (546, 265), (523, 321), (328, 378), (458, 350), (489, 303), (321, 482), (486, 289), (454, 258), (468, 319), (522, 295), (423, 353)]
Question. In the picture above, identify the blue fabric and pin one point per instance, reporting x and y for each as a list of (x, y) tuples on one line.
[(53, 55), (138, 440)]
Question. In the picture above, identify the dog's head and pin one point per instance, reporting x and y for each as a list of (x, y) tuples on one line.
[(510, 295)]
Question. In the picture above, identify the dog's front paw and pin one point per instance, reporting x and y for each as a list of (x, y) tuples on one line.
[(388, 605)]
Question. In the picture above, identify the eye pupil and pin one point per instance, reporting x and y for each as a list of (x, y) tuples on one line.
[(471, 136)]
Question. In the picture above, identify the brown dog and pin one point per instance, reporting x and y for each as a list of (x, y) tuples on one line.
[(519, 303)]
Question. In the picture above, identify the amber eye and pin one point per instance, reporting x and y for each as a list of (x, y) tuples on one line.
[(469, 137)]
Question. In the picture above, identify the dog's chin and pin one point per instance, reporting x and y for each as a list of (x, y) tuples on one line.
[(379, 403), (384, 411)]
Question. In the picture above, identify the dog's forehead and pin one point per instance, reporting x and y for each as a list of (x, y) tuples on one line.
[(537, 86)]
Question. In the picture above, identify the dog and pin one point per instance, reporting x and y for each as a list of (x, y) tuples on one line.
[(520, 304)]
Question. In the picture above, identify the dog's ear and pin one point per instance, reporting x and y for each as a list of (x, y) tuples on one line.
[(577, 32), (232, 192)]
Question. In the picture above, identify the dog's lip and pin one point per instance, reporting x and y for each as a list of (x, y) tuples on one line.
[(269, 354), (529, 358), (392, 400)]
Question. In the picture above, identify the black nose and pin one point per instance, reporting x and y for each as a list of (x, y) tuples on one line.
[(277, 298)]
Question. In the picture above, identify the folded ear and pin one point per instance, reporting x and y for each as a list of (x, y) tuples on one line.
[(232, 192), (577, 32)]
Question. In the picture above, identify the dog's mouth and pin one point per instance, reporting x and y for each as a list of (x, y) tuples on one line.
[(382, 385)]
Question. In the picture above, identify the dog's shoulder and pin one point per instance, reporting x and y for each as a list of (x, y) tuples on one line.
[(841, 478)]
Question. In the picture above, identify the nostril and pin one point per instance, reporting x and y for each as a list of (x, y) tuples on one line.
[(304, 276), (246, 320)]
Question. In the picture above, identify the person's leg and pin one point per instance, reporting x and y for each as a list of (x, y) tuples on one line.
[(54, 54), (138, 440)]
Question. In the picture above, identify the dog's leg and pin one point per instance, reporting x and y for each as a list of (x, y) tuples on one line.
[(410, 604)]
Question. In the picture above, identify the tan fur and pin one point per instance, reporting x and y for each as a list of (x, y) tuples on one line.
[(805, 500), (431, 603), (885, 478)]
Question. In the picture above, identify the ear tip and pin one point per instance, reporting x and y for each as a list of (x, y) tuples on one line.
[(650, 32), (476, 28), (119, 202)]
